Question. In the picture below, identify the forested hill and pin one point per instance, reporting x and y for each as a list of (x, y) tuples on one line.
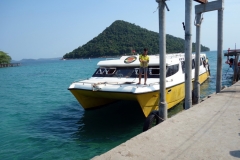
[(121, 38)]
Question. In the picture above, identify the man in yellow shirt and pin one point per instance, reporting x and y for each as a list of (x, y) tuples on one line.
[(144, 60)]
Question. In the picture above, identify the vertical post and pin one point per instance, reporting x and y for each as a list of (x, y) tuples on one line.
[(238, 69), (162, 60), (197, 60), (235, 74), (220, 50), (188, 54)]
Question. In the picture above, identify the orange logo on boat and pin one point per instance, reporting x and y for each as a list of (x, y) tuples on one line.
[(130, 59)]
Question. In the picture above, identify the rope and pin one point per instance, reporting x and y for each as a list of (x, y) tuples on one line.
[(164, 1), (200, 21), (226, 73), (158, 116), (156, 9)]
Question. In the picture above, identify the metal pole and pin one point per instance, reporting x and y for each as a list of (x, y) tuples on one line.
[(197, 60), (235, 75), (188, 54), (237, 71), (162, 60), (220, 50)]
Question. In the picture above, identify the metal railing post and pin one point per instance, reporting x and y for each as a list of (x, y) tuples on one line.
[(162, 59), (196, 96), (220, 50), (188, 54)]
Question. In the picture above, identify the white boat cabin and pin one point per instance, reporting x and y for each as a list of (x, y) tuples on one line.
[(128, 66)]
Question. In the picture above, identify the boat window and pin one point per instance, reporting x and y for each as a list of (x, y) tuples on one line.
[(154, 71), (133, 72), (193, 63), (115, 72), (110, 70), (171, 70), (100, 71), (203, 58), (136, 71), (124, 72)]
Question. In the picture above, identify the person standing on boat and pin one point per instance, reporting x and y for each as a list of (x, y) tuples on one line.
[(144, 60)]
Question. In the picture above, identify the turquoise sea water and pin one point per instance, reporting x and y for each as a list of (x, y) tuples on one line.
[(40, 118)]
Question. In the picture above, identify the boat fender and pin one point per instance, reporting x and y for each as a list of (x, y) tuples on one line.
[(204, 63), (152, 120), (209, 71)]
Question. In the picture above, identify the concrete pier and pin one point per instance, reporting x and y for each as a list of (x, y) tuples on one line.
[(209, 130)]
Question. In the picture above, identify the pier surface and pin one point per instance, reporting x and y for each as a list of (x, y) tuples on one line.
[(209, 130)]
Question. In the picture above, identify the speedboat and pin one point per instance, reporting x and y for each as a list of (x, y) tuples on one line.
[(117, 79)]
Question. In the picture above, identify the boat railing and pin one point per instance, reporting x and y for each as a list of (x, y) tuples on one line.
[(124, 83), (80, 80), (111, 58), (99, 83), (150, 84)]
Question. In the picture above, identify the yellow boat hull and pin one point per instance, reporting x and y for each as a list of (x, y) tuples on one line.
[(148, 101)]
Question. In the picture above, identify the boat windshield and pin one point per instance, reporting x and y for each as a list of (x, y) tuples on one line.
[(171, 70), (132, 72), (116, 72)]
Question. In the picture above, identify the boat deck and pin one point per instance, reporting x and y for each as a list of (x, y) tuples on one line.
[(209, 130)]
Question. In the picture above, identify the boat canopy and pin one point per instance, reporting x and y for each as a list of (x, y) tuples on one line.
[(133, 60)]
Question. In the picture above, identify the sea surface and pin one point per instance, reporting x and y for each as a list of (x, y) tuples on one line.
[(41, 119)]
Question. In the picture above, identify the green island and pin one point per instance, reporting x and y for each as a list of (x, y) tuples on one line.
[(4, 57), (122, 38), (5, 60)]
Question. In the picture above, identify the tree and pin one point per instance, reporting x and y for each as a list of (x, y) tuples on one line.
[(4, 57)]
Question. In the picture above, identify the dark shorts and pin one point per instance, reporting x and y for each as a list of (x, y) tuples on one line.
[(141, 69)]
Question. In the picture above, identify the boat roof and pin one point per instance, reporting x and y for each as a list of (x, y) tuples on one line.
[(133, 60)]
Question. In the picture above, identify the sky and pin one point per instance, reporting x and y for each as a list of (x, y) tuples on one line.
[(32, 29)]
